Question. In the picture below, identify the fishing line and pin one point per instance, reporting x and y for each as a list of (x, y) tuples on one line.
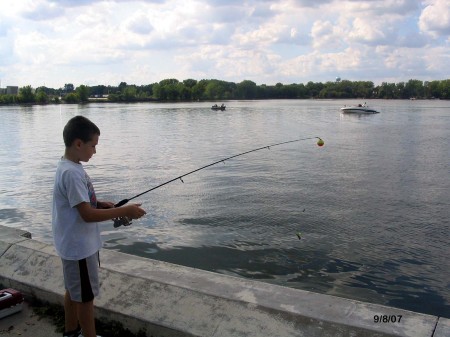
[(125, 221)]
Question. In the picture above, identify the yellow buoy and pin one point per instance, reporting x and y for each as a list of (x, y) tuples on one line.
[(320, 142)]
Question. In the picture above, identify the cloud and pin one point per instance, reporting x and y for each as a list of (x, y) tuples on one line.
[(4, 27), (367, 31), (306, 65), (372, 8), (435, 18), (437, 61), (78, 3), (326, 36), (412, 40), (41, 11), (266, 41), (402, 60), (73, 3), (311, 3), (140, 24), (232, 64)]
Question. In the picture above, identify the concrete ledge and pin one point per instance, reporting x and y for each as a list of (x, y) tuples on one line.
[(171, 300), (442, 328)]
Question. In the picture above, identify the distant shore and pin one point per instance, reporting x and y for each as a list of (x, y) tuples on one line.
[(106, 101), (172, 90)]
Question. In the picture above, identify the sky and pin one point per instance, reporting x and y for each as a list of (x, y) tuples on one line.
[(55, 42)]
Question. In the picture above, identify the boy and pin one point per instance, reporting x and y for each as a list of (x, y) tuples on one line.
[(76, 234)]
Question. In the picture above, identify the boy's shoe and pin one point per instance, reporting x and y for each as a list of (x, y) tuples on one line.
[(75, 333)]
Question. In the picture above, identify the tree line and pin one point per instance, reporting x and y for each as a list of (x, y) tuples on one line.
[(213, 89)]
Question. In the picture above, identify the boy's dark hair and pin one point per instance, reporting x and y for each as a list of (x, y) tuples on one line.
[(79, 127)]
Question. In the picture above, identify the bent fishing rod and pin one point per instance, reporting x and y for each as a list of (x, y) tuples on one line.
[(126, 222)]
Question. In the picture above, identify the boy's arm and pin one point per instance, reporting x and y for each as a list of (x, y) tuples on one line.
[(90, 214), (104, 204)]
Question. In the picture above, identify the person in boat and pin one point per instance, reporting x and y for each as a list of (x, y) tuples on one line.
[(76, 235), (222, 106), (215, 106)]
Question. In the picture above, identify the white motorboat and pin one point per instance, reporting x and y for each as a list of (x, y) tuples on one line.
[(359, 109)]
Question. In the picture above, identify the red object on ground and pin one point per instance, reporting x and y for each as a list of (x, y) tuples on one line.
[(11, 301)]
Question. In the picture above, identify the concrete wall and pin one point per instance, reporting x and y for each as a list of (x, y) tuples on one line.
[(171, 300)]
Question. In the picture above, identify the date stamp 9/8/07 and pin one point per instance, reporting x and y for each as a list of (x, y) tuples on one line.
[(387, 318)]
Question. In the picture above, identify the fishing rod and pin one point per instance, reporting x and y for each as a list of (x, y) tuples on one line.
[(126, 222)]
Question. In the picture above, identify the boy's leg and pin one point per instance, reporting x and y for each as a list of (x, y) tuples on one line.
[(86, 318), (70, 313), (81, 280)]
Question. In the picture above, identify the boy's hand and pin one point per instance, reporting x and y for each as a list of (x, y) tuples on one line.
[(134, 211)]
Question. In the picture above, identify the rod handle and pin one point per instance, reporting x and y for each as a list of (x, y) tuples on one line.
[(121, 202)]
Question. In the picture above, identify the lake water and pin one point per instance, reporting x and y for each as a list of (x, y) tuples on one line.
[(372, 205)]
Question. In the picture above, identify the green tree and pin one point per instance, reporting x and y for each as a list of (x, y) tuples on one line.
[(262, 91), (363, 89), (71, 98), (68, 88), (198, 90), (432, 89), (246, 90), (215, 90), (41, 97), (189, 83), (114, 97), (289, 91), (129, 93), (159, 92), (145, 91), (184, 92), (167, 89), (414, 88), (314, 89), (83, 93), (8, 99), (122, 86), (169, 81), (387, 90), (444, 89), (26, 95), (172, 91), (98, 90)]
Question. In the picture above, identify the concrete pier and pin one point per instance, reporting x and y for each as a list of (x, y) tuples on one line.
[(171, 300)]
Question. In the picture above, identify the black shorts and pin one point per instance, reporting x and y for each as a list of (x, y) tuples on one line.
[(81, 278)]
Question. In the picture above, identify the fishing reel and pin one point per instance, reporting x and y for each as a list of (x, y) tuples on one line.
[(122, 221)]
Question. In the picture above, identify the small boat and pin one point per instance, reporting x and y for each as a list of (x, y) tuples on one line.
[(359, 109), (218, 107), (11, 301)]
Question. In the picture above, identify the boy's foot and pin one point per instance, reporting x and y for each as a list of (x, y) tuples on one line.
[(81, 334), (75, 333)]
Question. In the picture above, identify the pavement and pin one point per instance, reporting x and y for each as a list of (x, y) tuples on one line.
[(27, 323), (170, 300)]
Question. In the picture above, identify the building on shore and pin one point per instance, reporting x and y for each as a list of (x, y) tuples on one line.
[(12, 90), (9, 90)]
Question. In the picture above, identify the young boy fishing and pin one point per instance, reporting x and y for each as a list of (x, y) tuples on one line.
[(75, 216)]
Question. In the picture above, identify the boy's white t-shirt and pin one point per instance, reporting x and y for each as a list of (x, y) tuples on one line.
[(74, 238)]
